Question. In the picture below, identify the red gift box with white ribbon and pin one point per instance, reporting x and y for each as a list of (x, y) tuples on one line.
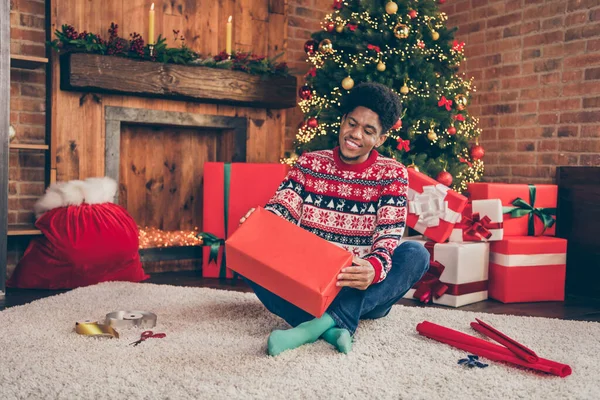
[(433, 208), (527, 268)]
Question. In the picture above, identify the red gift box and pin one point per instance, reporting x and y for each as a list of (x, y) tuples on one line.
[(230, 190), (529, 209), (525, 268), (287, 260), (433, 208)]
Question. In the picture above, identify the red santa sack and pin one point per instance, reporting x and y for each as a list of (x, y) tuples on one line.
[(82, 245)]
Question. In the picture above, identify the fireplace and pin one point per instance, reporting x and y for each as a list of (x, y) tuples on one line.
[(157, 158)]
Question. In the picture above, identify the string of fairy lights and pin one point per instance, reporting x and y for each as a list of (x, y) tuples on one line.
[(313, 103), (150, 237)]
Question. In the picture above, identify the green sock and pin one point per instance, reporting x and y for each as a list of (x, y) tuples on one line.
[(307, 332), (339, 338)]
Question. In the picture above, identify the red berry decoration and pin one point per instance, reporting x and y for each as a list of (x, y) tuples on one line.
[(445, 178), (312, 122), (330, 26), (477, 152), (398, 124), (412, 14), (451, 130), (305, 92), (310, 47)]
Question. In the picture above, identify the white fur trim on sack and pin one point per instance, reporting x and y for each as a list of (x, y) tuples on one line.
[(76, 192)]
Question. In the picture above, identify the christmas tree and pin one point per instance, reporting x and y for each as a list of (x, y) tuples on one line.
[(405, 45)]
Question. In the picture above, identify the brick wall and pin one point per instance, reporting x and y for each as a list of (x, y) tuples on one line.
[(304, 18), (27, 116), (536, 65)]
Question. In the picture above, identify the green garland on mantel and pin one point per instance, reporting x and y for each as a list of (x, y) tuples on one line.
[(69, 40)]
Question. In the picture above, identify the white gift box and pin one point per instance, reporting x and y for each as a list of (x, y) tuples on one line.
[(486, 220), (465, 271)]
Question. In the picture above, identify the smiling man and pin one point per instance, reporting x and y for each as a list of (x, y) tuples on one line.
[(355, 198)]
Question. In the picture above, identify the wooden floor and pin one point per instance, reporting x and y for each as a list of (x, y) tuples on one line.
[(573, 308)]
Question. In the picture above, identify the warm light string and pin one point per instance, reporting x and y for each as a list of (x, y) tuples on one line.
[(153, 237)]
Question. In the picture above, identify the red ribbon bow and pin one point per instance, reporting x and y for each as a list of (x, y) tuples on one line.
[(430, 286), (459, 117), (352, 27), (456, 46), (444, 102), (475, 228), (403, 145), (311, 72), (373, 47)]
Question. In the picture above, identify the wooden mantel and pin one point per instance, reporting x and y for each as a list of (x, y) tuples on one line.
[(120, 75)]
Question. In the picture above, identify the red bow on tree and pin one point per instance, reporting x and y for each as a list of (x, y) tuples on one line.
[(312, 72), (444, 102), (456, 46), (459, 117), (464, 160), (403, 145), (373, 47), (352, 27)]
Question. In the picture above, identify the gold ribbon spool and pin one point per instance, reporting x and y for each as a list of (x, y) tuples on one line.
[(89, 328)]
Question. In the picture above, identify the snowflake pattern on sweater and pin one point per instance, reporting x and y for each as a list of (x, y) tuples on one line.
[(359, 207)]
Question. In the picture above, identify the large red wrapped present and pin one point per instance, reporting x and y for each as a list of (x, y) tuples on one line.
[(230, 190), (287, 260), (481, 222), (528, 209), (433, 208), (457, 275), (525, 268)]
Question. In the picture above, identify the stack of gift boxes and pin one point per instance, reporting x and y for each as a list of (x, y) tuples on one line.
[(498, 243)]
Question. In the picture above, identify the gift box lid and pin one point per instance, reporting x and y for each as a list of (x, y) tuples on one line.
[(529, 245), (295, 256)]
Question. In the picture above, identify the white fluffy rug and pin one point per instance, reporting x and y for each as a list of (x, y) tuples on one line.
[(215, 349)]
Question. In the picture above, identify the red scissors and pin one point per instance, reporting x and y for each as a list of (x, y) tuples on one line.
[(147, 335)]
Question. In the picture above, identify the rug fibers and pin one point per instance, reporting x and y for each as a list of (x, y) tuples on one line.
[(215, 348)]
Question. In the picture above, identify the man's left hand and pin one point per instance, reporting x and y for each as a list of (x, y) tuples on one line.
[(359, 276)]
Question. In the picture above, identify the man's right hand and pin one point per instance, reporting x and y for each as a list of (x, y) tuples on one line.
[(245, 217)]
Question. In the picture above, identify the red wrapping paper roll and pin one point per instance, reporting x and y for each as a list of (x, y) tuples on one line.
[(514, 346), (488, 350)]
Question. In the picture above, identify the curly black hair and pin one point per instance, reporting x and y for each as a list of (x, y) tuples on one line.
[(378, 98)]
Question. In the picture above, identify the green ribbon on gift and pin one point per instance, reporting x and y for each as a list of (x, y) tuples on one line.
[(521, 208), (215, 242)]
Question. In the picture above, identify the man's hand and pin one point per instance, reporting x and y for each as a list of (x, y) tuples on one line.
[(359, 276), (245, 217)]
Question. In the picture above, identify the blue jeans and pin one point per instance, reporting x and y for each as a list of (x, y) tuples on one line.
[(410, 261)]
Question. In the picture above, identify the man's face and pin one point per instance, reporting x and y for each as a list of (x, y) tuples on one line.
[(360, 132)]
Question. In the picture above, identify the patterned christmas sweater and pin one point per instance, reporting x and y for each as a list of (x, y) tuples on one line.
[(359, 207)]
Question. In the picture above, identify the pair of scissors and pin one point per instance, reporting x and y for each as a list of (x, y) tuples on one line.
[(147, 335)]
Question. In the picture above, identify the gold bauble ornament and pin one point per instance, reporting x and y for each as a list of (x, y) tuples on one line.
[(435, 35), (401, 31), (413, 166), (325, 46), (391, 8), (347, 83), (380, 66), (432, 135), (461, 101), (404, 89), (339, 28)]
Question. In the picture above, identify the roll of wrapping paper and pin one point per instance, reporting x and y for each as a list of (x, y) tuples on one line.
[(131, 319), (488, 350), (517, 348), (91, 328)]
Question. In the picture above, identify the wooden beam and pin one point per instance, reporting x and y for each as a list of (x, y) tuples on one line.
[(23, 230), (105, 74), (4, 128), (23, 146)]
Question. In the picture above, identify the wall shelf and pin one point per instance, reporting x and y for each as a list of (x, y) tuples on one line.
[(23, 146), (22, 230), (27, 62)]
